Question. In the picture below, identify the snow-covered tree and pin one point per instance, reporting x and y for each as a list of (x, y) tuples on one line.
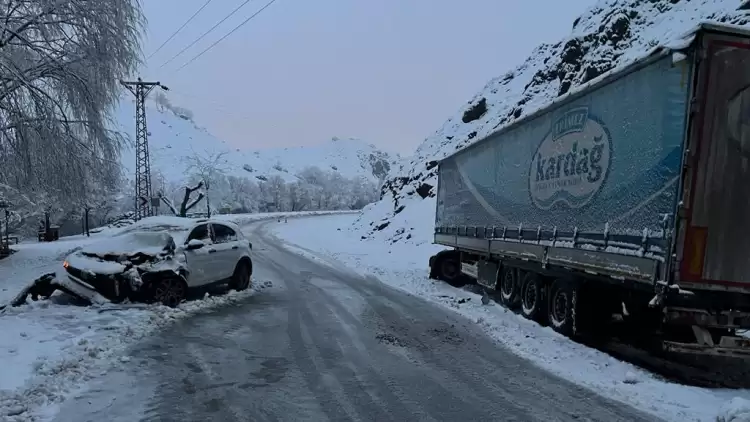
[(243, 194), (208, 168), (299, 196), (277, 192), (61, 61)]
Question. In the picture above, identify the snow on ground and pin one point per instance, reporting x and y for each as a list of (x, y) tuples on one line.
[(49, 348), (405, 266), (737, 410)]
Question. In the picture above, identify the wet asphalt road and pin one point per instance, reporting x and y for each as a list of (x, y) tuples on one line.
[(324, 344)]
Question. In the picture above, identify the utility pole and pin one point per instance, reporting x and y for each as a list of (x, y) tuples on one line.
[(143, 199)]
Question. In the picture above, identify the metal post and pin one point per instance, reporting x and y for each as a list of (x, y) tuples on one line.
[(140, 89)]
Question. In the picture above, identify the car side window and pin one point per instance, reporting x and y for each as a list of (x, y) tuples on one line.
[(224, 234), (200, 233)]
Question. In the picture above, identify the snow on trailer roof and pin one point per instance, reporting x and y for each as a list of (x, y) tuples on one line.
[(673, 45)]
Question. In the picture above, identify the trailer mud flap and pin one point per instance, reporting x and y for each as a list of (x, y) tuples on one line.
[(487, 274)]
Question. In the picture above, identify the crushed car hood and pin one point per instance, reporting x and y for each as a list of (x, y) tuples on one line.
[(94, 265), (116, 254), (126, 245)]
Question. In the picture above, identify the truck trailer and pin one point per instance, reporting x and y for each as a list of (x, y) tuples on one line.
[(627, 201)]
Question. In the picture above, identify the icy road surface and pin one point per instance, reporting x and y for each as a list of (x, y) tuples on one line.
[(325, 344)]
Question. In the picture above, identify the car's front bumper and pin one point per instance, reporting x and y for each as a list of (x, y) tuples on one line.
[(80, 288), (108, 286)]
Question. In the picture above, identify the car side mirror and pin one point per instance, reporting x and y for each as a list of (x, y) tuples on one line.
[(194, 244)]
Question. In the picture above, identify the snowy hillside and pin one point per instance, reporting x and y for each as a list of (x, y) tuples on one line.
[(175, 137), (610, 34)]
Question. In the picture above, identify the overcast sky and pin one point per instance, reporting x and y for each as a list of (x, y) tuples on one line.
[(386, 71)]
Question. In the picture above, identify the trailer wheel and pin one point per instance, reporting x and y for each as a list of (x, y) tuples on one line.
[(561, 307), (447, 267), (532, 307), (509, 287)]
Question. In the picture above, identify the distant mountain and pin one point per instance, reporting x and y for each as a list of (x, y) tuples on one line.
[(174, 137)]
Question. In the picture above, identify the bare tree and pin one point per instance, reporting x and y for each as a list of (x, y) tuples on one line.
[(59, 66), (188, 202), (168, 202), (208, 167)]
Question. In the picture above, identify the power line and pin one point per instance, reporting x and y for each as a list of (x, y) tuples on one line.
[(180, 28), (206, 33), (230, 33)]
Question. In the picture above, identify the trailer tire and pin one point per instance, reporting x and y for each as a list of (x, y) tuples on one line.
[(447, 267), (532, 305), (509, 287), (561, 307)]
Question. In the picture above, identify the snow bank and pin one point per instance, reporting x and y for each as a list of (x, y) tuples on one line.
[(51, 348), (404, 265)]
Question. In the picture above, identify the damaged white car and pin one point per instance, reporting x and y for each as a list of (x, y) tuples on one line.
[(162, 263)]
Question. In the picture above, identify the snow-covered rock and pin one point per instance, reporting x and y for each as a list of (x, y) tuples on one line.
[(610, 34), (175, 136)]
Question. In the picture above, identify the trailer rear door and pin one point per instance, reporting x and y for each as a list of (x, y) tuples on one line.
[(716, 251)]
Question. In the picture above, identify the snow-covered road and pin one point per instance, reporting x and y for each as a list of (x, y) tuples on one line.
[(404, 265), (323, 333), (50, 348), (323, 343)]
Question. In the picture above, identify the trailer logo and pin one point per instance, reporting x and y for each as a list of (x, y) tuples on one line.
[(572, 161)]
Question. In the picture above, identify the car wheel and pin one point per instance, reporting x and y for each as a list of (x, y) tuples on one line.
[(241, 278), (169, 291)]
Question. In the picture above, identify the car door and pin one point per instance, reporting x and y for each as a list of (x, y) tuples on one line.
[(199, 261), (227, 249)]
